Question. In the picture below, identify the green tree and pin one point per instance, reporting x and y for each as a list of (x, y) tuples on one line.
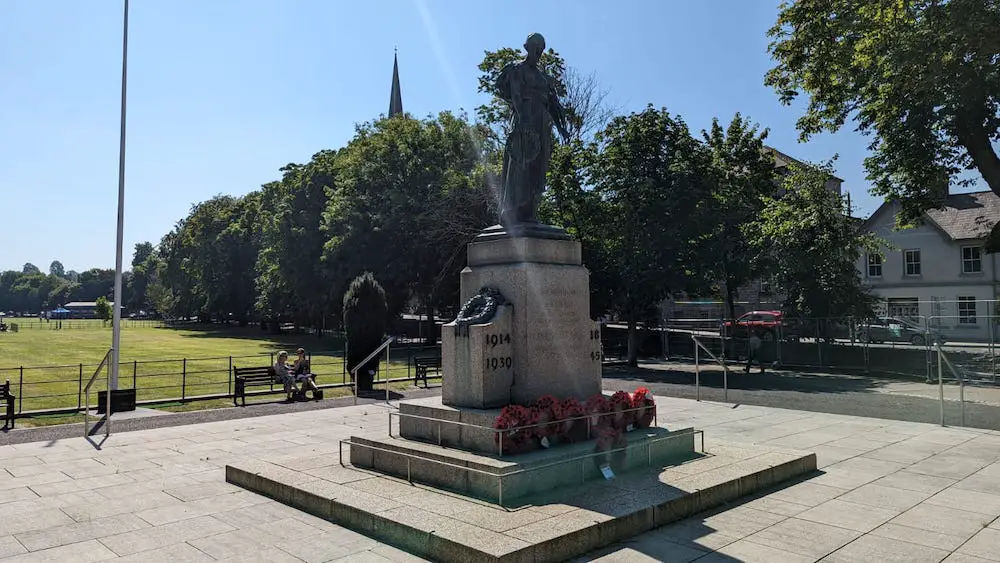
[(921, 76), (102, 309), (208, 260), (94, 283), (742, 175), (572, 203), (651, 176), (30, 268), (407, 201), (813, 246), (135, 297), (56, 269), (365, 322), (292, 278)]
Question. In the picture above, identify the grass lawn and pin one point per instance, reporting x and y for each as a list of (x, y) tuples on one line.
[(163, 362)]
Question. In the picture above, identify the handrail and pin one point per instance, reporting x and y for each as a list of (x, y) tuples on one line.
[(943, 360), (97, 371), (361, 364), (86, 395), (697, 369)]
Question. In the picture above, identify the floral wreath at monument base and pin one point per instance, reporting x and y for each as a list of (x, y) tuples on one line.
[(550, 421)]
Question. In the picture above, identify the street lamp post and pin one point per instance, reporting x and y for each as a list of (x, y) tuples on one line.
[(116, 322)]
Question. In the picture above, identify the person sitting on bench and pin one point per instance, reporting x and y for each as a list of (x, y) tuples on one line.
[(285, 375), (302, 373)]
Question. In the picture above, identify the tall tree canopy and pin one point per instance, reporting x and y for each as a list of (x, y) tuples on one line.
[(409, 196), (742, 175), (651, 176), (922, 76), (812, 246), (292, 278)]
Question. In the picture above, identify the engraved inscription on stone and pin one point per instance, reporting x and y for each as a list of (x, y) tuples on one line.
[(497, 351), (595, 343)]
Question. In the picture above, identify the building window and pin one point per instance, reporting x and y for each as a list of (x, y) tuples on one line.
[(874, 265), (967, 310), (765, 287), (972, 259), (904, 307), (912, 260)]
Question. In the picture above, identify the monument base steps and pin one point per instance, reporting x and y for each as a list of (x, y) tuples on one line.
[(557, 525)]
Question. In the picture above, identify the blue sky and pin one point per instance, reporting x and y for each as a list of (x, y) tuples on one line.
[(223, 93)]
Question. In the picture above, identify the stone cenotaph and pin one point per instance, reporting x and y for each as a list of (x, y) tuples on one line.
[(525, 330)]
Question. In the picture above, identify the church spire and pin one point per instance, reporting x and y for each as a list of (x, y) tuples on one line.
[(396, 97)]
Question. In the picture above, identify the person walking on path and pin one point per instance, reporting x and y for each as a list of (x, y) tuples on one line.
[(754, 352)]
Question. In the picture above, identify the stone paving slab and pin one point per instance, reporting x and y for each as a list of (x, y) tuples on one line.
[(168, 465)]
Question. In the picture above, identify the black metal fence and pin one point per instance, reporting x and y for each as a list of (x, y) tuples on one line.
[(60, 389), (79, 324), (848, 345)]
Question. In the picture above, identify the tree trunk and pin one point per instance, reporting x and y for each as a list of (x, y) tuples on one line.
[(633, 341), (976, 140), (730, 302), (430, 338)]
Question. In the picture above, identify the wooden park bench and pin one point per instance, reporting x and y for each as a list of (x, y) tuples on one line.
[(6, 397), (424, 364), (260, 376)]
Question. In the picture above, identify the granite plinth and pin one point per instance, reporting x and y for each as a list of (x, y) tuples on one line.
[(512, 478), (556, 526), (524, 230), (479, 361), (555, 346), (521, 249), (430, 420)]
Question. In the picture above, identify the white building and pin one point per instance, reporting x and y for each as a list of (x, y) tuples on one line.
[(937, 273)]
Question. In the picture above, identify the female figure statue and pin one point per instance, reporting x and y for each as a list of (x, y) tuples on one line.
[(534, 108)]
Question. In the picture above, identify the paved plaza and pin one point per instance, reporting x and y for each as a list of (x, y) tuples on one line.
[(887, 491)]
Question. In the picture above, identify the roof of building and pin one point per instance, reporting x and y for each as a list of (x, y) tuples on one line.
[(83, 304), (782, 160), (967, 216)]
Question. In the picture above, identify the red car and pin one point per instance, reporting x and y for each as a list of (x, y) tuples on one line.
[(767, 325)]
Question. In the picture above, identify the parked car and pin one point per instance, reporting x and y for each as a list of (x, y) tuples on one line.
[(894, 329), (827, 330), (767, 324)]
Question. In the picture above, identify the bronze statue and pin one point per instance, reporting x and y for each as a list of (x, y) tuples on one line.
[(534, 106)]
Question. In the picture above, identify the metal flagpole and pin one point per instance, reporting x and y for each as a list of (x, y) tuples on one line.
[(116, 322)]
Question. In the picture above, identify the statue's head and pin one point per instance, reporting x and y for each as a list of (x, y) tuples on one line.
[(534, 46)]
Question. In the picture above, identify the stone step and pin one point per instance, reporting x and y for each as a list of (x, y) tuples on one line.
[(505, 480), (555, 526)]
